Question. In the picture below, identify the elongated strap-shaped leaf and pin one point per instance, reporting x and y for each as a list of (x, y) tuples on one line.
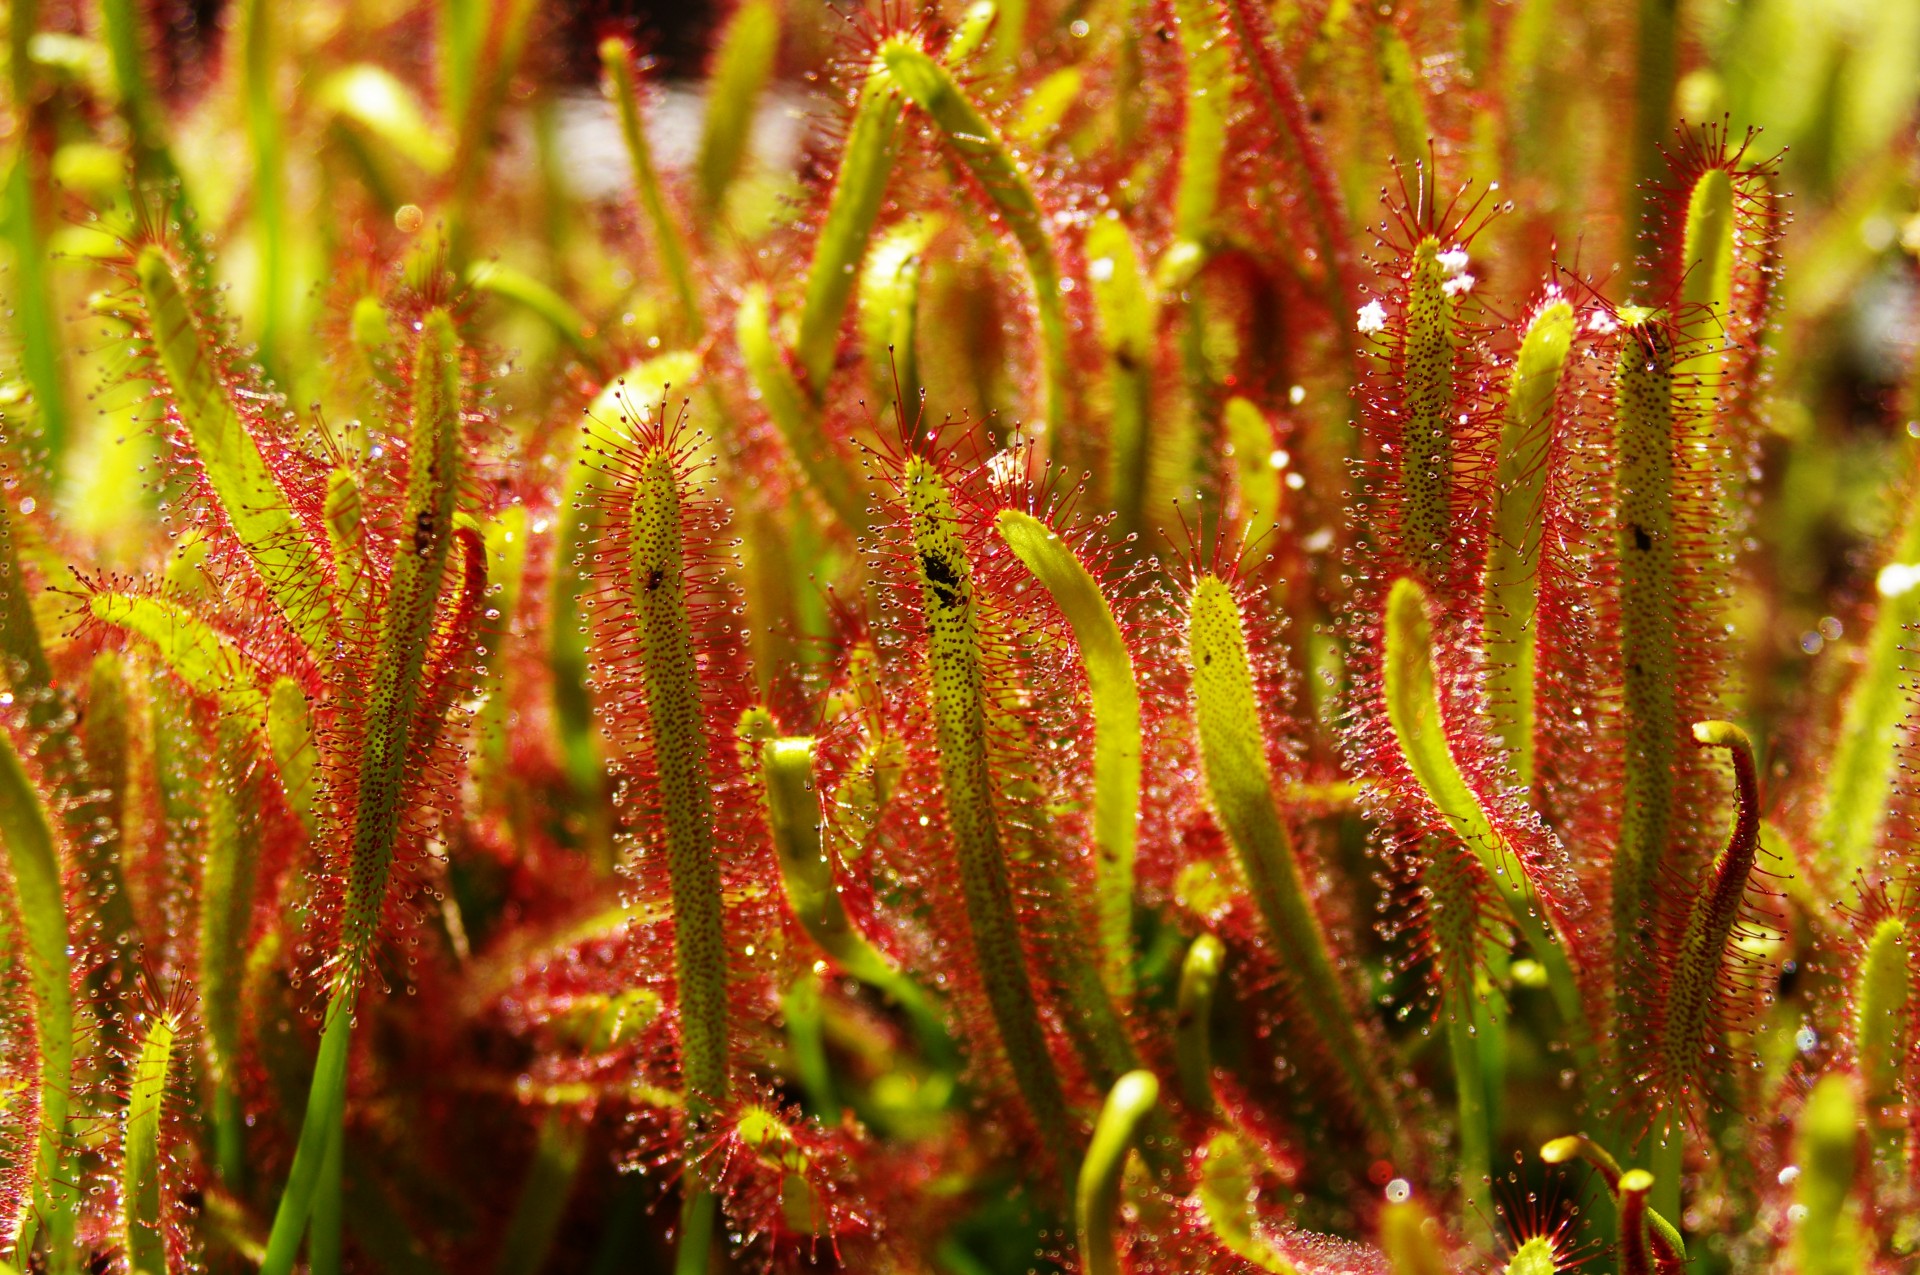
[(286, 559), (1413, 708), (1116, 731), (1256, 470), (657, 592), (1826, 1241), (795, 415), (230, 853), (579, 522), (793, 816), (1693, 980), (376, 100), (33, 872), (890, 317), (1861, 759), (142, 1219), (1227, 1190), (669, 240), (1208, 66), (958, 687), (24, 656), (1649, 648), (1633, 1250), (741, 66), (531, 294), (1427, 477), (1193, 1026), (1883, 1021), (295, 753), (1669, 1250), (1512, 581), (107, 743), (873, 143), (208, 662), (36, 319), (1233, 753), (406, 630), (1122, 1119), (1123, 306), (978, 144)]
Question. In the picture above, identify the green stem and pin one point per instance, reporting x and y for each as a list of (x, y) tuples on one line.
[(1655, 70), (329, 1209), (543, 1198)]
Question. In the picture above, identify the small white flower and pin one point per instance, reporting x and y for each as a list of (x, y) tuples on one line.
[(1373, 318), (1453, 261), (1457, 284)]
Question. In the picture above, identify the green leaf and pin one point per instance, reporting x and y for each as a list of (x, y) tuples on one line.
[(141, 1199), (1116, 731), (283, 554), (741, 66), (978, 145), (1122, 1120), (33, 872), (208, 662), (1512, 580), (1233, 754), (669, 241)]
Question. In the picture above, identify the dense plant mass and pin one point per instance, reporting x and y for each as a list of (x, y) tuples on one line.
[(1118, 636)]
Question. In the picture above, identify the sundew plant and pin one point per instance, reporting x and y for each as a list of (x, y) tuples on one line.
[(1155, 636)]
